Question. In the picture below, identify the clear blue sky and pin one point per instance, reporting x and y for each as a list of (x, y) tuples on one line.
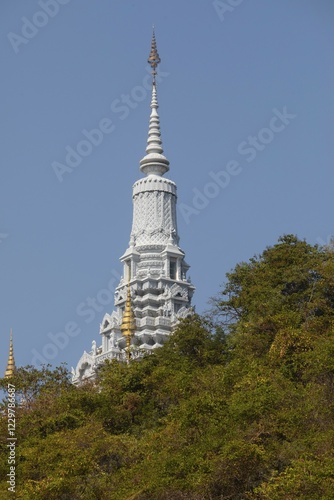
[(229, 74)]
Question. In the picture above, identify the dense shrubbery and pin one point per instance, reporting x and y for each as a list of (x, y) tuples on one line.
[(237, 406)]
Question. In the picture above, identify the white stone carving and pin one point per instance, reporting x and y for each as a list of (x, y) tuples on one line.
[(115, 319), (176, 290), (184, 312)]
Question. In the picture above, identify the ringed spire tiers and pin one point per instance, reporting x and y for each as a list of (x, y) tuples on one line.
[(128, 325), (154, 162), (11, 362)]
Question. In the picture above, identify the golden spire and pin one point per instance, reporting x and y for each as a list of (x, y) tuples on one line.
[(11, 363), (128, 325), (154, 58)]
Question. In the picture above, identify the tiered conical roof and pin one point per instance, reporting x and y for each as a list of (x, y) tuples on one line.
[(128, 325), (154, 162), (11, 362)]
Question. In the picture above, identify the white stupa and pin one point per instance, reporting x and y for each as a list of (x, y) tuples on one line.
[(154, 291)]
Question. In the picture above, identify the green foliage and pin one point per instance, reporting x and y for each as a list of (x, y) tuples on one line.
[(237, 406)]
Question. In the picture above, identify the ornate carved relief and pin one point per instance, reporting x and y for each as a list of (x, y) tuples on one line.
[(184, 312)]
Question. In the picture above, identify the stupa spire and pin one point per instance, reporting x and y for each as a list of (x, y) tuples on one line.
[(153, 263), (154, 162), (11, 362), (128, 325)]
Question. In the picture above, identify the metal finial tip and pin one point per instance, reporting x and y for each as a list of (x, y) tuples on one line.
[(154, 58), (11, 362), (128, 325)]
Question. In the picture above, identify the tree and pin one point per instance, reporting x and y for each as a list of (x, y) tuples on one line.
[(281, 300), (236, 406)]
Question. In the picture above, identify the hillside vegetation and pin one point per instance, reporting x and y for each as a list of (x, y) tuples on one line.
[(237, 405)]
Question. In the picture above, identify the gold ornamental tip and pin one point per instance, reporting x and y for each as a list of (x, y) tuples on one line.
[(11, 362), (128, 325), (154, 58)]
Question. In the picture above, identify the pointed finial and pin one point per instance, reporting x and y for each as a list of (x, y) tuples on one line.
[(11, 362), (154, 162), (154, 58), (128, 325)]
